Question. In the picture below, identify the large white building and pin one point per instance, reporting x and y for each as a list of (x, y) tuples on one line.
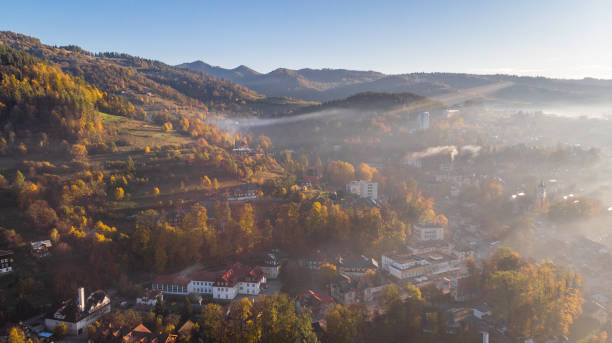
[(404, 266), (238, 279), (427, 232), (423, 120), (78, 314), (363, 188)]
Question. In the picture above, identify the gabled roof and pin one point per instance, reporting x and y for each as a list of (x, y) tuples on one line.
[(187, 327)]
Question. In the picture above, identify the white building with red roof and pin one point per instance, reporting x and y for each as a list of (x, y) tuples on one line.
[(237, 279)]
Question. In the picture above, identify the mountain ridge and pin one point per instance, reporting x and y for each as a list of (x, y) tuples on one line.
[(323, 85)]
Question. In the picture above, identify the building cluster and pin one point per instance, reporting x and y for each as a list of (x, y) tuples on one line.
[(107, 333), (429, 259), (78, 313), (226, 284)]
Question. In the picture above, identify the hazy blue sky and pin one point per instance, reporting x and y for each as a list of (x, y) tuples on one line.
[(538, 37)]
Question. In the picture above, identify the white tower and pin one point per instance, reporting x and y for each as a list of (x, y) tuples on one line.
[(423, 120), (81, 299), (541, 194)]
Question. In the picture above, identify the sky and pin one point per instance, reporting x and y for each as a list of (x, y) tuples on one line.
[(554, 38)]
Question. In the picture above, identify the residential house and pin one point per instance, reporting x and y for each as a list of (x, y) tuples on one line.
[(348, 290), (6, 261), (270, 264), (149, 297), (78, 313), (314, 260), (107, 333), (41, 248), (356, 265), (244, 192), (317, 302)]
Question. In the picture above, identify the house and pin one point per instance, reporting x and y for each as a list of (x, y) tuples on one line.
[(314, 260), (356, 265), (363, 188), (348, 290), (78, 313), (149, 298), (6, 261), (107, 333), (270, 264), (457, 316), (174, 217), (428, 232), (41, 248), (317, 302), (244, 192), (238, 279), (482, 310), (227, 284)]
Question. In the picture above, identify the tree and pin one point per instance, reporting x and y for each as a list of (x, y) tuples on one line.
[(159, 306), (156, 192), (340, 173), (16, 335), (60, 330), (365, 172), (78, 151), (119, 193), (212, 323), (345, 324), (54, 235)]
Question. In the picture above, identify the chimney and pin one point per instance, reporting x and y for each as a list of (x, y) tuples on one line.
[(485, 337), (81, 299)]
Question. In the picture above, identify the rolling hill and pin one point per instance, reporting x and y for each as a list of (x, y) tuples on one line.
[(329, 84)]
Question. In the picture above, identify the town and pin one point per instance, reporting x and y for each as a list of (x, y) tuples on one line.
[(163, 200)]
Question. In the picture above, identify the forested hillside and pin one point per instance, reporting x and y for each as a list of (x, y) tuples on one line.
[(136, 86), (38, 97)]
